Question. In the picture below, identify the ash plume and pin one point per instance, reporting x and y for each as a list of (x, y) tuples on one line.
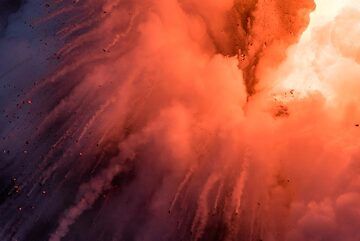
[(182, 120)]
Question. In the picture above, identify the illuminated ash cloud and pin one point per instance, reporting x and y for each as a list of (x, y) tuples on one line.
[(180, 120), (258, 32)]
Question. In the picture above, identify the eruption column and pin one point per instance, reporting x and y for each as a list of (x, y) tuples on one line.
[(144, 120)]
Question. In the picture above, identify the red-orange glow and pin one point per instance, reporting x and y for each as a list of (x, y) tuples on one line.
[(204, 120)]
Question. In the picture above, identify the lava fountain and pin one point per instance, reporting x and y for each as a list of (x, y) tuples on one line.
[(188, 120)]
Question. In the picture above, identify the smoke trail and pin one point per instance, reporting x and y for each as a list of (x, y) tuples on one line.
[(89, 192)]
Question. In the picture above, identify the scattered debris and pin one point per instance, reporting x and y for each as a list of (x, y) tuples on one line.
[(282, 111)]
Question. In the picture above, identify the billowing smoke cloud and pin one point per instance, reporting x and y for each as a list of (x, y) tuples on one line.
[(181, 120)]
